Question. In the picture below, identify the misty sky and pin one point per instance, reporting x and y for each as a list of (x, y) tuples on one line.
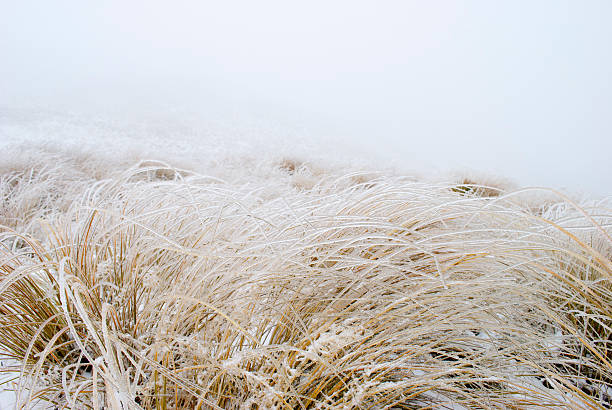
[(518, 88)]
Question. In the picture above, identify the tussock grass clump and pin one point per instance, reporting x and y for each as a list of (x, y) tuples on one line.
[(162, 288)]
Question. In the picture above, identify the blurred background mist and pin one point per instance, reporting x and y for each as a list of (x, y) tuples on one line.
[(521, 89)]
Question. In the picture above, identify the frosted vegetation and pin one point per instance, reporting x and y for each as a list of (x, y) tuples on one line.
[(270, 283)]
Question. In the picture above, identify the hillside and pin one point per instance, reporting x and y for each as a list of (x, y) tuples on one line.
[(270, 282)]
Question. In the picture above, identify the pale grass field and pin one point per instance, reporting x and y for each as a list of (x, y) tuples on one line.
[(268, 283)]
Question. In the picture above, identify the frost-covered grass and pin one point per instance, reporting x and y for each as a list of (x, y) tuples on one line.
[(273, 284)]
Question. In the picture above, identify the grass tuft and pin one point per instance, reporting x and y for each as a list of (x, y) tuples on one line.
[(154, 287)]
